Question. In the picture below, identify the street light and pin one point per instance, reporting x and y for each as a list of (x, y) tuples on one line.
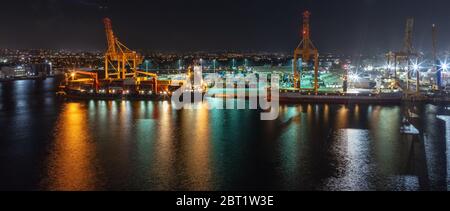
[(444, 65), (146, 65), (51, 68), (416, 65), (353, 77), (179, 66)]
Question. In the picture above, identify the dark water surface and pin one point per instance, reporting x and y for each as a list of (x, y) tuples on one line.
[(52, 144)]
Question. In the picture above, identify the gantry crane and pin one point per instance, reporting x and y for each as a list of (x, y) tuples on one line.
[(407, 54), (120, 61), (305, 50)]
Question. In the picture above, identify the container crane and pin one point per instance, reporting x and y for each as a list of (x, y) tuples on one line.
[(121, 70), (407, 54), (120, 61), (305, 50)]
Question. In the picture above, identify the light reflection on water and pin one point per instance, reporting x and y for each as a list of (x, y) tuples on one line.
[(72, 158), (53, 144), (353, 164), (446, 118)]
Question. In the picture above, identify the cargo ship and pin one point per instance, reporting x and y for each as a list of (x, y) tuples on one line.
[(110, 94), (126, 89), (72, 93), (289, 96)]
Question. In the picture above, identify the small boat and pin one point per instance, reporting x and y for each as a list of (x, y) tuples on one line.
[(407, 128)]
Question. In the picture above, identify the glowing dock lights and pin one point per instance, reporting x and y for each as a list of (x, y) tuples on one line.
[(444, 65)]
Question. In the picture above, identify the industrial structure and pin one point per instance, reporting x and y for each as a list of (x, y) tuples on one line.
[(434, 46), (436, 63), (120, 61), (306, 50), (121, 73), (404, 57)]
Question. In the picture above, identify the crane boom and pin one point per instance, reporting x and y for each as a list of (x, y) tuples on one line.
[(110, 35), (434, 37), (407, 48)]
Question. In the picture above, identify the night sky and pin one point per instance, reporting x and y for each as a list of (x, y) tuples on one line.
[(338, 26)]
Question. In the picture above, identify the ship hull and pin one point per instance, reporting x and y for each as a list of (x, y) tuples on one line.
[(77, 95), (295, 97)]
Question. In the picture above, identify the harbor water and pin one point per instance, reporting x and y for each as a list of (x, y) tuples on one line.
[(49, 143)]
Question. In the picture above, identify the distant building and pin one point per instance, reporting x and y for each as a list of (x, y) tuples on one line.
[(42, 69), (21, 71), (7, 72)]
